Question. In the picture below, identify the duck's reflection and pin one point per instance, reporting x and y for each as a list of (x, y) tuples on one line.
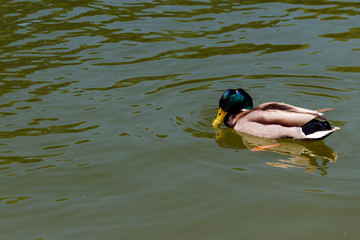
[(311, 156)]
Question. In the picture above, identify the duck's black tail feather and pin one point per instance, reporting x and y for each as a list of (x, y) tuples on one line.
[(315, 126)]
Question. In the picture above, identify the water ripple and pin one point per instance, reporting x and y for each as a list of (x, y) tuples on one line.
[(104, 103), (53, 129)]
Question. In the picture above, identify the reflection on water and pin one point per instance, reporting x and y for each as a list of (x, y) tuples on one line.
[(353, 33), (25, 159), (53, 129), (12, 200), (309, 155)]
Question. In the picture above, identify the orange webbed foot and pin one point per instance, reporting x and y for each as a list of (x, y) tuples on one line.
[(261, 148)]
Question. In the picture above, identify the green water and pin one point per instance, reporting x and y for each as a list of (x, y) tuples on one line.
[(106, 110)]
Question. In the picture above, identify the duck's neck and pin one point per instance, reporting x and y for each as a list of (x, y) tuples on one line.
[(229, 118)]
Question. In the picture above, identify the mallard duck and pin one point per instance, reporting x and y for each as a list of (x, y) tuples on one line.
[(271, 120)]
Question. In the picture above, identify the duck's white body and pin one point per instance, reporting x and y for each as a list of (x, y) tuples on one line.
[(278, 120)]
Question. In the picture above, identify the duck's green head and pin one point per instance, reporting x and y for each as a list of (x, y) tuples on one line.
[(232, 101)]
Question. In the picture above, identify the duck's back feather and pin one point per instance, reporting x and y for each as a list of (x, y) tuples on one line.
[(281, 114), (277, 120)]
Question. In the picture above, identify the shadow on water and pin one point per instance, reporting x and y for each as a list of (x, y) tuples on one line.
[(309, 155)]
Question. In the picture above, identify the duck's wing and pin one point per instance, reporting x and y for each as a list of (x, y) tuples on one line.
[(283, 114)]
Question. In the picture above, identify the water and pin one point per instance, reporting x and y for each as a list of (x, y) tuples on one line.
[(106, 112)]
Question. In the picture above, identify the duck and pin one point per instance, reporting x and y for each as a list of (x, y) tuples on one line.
[(274, 120)]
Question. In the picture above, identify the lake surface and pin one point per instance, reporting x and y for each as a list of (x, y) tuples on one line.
[(106, 111)]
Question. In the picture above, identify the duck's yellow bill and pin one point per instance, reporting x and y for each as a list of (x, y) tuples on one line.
[(220, 116)]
